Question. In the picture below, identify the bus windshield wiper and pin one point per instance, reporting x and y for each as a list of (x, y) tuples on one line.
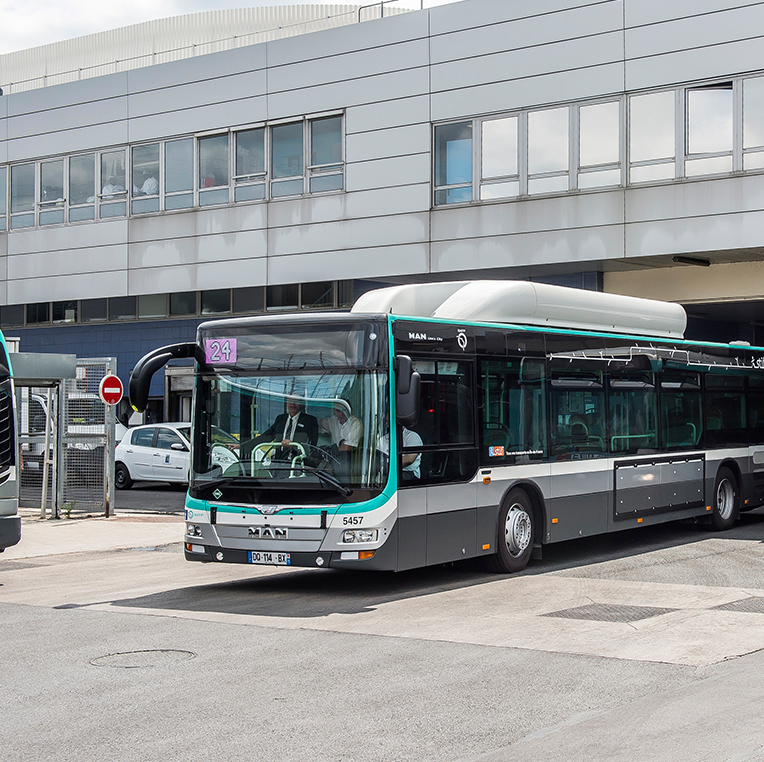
[(323, 476), (227, 482)]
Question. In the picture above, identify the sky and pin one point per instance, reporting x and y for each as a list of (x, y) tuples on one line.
[(28, 23)]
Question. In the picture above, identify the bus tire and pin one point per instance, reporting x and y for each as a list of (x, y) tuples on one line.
[(122, 478), (725, 508), (516, 534)]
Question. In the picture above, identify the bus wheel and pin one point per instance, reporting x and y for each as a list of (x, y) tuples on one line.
[(725, 508), (122, 478), (515, 540)]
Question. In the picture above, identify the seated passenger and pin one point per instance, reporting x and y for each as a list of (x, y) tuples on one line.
[(410, 461)]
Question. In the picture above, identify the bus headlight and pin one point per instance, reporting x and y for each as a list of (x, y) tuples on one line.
[(193, 530), (360, 535)]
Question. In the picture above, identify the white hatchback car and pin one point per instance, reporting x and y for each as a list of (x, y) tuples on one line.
[(156, 452)]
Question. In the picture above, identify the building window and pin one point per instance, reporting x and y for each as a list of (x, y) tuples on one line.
[(453, 163), (250, 165), (652, 137), (38, 313), (113, 185), (709, 130), (599, 153), (22, 196), (753, 123), (12, 315), (287, 160), (152, 306), (317, 295), (82, 187), (548, 151), (250, 299), (3, 199), (286, 297), (183, 303), (217, 302), (144, 173), (122, 308), (94, 310), (326, 154), (65, 312), (499, 161), (213, 170), (51, 200), (179, 174)]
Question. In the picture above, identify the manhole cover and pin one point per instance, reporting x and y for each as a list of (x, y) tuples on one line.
[(608, 612), (752, 605), (139, 659)]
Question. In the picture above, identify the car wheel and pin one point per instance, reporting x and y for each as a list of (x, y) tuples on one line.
[(726, 503), (516, 533), (122, 478)]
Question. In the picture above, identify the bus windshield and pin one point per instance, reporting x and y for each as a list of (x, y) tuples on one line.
[(301, 432)]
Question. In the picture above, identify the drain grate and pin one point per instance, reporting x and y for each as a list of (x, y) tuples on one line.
[(609, 612), (752, 605), (139, 659)]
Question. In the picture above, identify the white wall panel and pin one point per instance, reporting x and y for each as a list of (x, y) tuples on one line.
[(529, 62), (560, 87), (695, 199), (386, 173), (723, 232), (57, 96), (336, 68), (338, 95), (652, 11), (197, 69), (207, 93), (192, 277), (199, 249), (382, 144), (695, 32), (585, 22), (393, 113), (537, 215), (350, 234), (686, 66), (524, 250), (369, 34), (71, 141), (60, 287), (200, 119), (68, 117), (457, 16), (81, 261), (106, 233), (358, 263), (345, 206)]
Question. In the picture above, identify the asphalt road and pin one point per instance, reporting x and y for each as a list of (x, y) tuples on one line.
[(643, 646), (151, 497)]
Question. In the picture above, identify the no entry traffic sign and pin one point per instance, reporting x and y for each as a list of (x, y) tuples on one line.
[(110, 390)]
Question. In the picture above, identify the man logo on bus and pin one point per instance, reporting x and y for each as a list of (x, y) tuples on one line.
[(268, 533), (461, 339)]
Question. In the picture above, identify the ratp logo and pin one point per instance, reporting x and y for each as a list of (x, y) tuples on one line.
[(461, 339)]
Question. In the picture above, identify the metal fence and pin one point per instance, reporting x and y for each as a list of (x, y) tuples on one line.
[(80, 434)]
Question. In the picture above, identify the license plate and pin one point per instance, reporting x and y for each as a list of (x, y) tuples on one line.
[(266, 557)]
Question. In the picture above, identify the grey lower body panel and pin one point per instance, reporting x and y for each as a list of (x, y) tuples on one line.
[(10, 531)]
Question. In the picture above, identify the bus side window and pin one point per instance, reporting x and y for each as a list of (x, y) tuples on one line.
[(577, 414), (755, 399), (632, 402), (513, 411), (681, 423), (725, 410)]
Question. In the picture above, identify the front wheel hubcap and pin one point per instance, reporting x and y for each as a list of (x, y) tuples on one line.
[(517, 530), (725, 499)]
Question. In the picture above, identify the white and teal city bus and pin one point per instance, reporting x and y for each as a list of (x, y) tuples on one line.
[(456, 420), (10, 522)]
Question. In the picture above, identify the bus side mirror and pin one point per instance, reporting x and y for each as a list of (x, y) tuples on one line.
[(406, 391), (148, 365)]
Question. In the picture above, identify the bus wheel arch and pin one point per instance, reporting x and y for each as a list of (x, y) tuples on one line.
[(517, 530), (726, 499)]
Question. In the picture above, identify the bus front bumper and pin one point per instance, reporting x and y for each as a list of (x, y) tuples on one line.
[(10, 531)]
